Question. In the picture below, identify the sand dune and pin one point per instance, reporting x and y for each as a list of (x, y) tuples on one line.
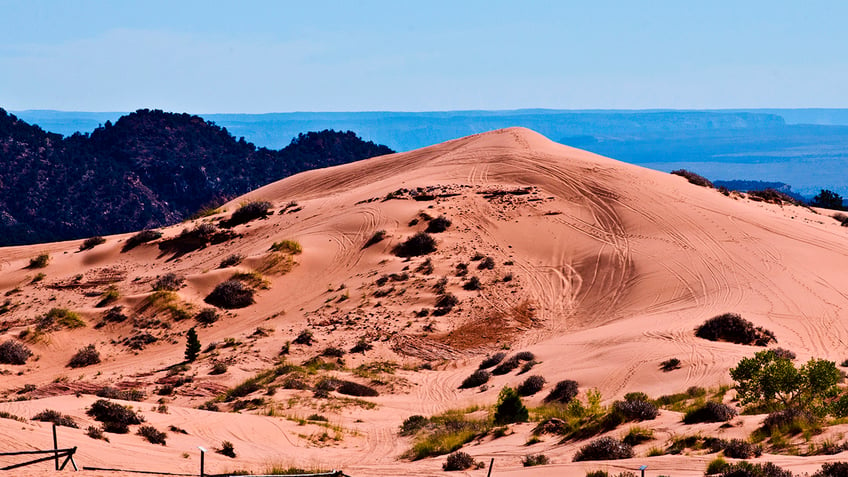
[(600, 268)]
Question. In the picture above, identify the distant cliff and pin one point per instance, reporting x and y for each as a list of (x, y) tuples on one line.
[(148, 169)]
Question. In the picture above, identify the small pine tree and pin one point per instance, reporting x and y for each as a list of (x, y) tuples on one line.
[(192, 346), (510, 408)]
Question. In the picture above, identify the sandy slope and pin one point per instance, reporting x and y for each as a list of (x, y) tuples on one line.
[(612, 267)]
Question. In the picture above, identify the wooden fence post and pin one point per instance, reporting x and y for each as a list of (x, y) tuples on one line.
[(55, 447)]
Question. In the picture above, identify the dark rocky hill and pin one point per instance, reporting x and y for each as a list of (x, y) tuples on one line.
[(149, 169)]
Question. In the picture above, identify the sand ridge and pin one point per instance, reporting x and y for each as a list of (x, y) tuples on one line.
[(610, 267)]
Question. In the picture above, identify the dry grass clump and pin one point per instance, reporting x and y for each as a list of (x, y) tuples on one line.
[(693, 178), (735, 329), (604, 448), (168, 282), (142, 237), (248, 212), (110, 392), (59, 318), (227, 449), (207, 316), (532, 460), (231, 260), (56, 417), (231, 294), (287, 246), (85, 357), (445, 433), (421, 243), (14, 352), (773, 196)]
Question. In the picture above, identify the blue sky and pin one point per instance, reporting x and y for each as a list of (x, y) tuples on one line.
[(274, 56)]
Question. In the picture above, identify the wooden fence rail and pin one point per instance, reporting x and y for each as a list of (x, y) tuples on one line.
[(55, 455)]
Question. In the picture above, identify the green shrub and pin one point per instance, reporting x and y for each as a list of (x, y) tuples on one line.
[(49, 415), (747, 469), (510, 408), (14, 352), (287, 246), (447, 433), (637, 435), (413, 424), (85, 357), (39, 261), (60, 318), (604, 448), (716, 466)]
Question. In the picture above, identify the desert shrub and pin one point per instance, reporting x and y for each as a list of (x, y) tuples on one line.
[(115, 417), (487, 263), (711, 411), (39, 261), (832, 469), (218, 368), (96, 433), (773, 196), (248, 212), (716, 466), (168, 282), (473, 283), (304, 338), (693, 178), (790, 420), (425, 268), (110, 295), (207, 316), (477, 378), (563, 392), (139, 340), (510, 408), (533, 460), (670, 364), (14, 352), (351, 388), (783, 353), (114, 315), (231, 294), (110, 392), (153, 435), (739, 449), (231, 260), (361, 346), (445, 303), (735, 329), (85, 357), (747, 469), (458, 461), (91, 242), (287, 246), (438, 225), (142, 237), (531, 386), (525, 356), (604, 448), (49, 415), (333, 352), (378, 237), (421, 243), (492, 360), (635, 410), (227, 449), (506, 366), (413, 424)]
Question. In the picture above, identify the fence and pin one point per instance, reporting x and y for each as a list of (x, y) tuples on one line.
[(55, 454)]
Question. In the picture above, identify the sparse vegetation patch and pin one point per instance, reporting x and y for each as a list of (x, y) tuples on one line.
[(231, 294), (14, 352), (735, 329)]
